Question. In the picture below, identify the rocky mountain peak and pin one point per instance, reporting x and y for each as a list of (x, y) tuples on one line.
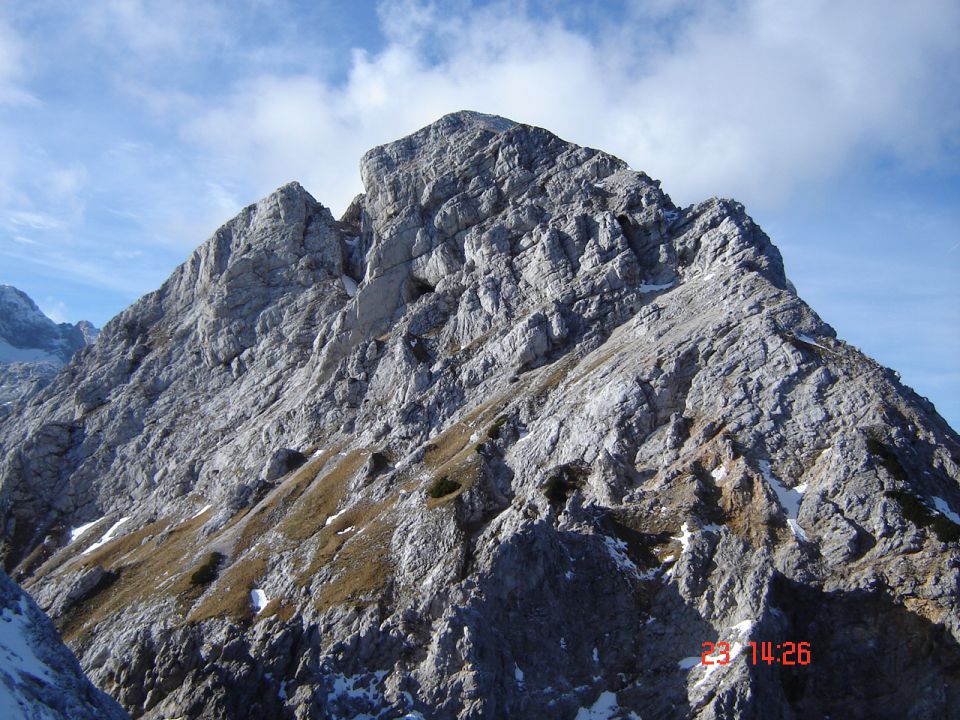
[(26, 334), (32, 346), (514, 437)]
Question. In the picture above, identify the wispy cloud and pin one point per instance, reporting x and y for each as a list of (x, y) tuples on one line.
[(12, 71), (33, 220)]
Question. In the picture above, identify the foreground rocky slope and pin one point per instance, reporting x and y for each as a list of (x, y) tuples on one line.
[(39, 677), (32, 346), (512, 438)]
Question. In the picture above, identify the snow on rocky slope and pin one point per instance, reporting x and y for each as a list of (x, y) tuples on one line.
[(39, 677)]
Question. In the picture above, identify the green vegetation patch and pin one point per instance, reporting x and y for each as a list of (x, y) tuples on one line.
[(917, 512), (207, 570), (493, 432), (442, 486)]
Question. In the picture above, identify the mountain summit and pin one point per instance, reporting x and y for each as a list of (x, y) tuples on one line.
[(514, 437)]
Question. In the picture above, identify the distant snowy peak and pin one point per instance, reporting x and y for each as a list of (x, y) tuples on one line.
[(32, 346), (27, 335)]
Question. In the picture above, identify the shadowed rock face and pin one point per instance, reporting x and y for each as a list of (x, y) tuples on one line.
[(512, 438)]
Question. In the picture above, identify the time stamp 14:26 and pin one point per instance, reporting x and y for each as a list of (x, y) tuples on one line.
[(787, 653)]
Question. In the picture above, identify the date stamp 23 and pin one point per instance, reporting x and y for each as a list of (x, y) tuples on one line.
[(786, 653)]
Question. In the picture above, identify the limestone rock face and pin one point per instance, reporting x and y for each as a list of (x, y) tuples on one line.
[(512, 438)]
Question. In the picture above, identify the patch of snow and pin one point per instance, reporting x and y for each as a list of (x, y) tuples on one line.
[(358, 687), (669, 558), (352, 240), (718, 473), (569, 575), (684, 537), (688, 662), (644, 288), (809, 340), (713, 528), (16, 648), (9, 704), (743, 627), (345, 530), (259, 600), (709, 276), (798, 532), (789, 498), (11, 354), (517, 674), (596, 656), (650, 574), (201, 511), (618, 551), (282, 691), (941, 505), (735, 650), (349, 284), (605, 708), (107, 537), (563, 643), (334, 517), (81, 529)]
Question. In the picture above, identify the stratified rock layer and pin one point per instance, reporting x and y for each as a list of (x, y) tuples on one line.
[(513, 438)]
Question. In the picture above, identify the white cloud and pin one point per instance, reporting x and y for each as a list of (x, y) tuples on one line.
[(54, 309), (753, 102)]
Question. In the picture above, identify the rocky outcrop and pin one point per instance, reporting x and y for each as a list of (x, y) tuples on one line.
[(39, 676), (512, 438)]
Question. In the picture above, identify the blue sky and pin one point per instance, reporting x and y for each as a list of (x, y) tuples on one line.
[(131, 129)]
